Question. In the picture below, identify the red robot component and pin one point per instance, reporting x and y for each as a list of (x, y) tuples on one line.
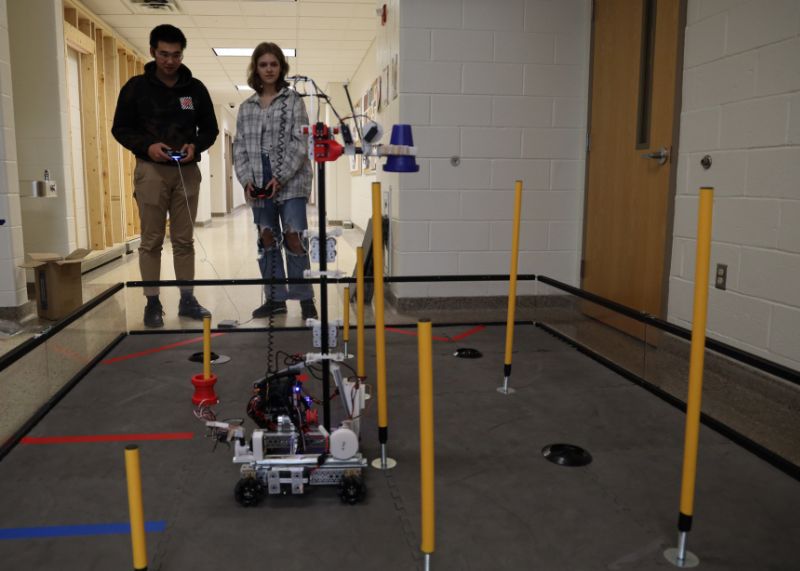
[(326, 149)]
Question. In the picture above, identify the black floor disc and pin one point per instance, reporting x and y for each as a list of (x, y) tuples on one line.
[(467, 353), (566, 455), (198, 357)]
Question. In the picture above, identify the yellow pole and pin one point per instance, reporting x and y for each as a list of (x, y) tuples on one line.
[(696, 359), (380, 332), (512, 288), (207, 347), (135, 506), (426, 448), (346, 311), (360, 366)]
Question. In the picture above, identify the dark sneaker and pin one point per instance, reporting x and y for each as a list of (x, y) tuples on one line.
[(270, 308), (153, 314), (191, 308), (308, 309)]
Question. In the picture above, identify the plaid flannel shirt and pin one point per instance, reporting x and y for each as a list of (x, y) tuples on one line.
[(288, 151)]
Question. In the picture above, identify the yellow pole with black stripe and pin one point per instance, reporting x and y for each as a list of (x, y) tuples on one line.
[(207, 347), (426, 448), (136, 507), (679, 556), (346, 326), (380, 330), (360, 364), (512, 289)]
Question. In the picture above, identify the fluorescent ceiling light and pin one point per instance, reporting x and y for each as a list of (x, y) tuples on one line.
[(247, 52), (244, 88)]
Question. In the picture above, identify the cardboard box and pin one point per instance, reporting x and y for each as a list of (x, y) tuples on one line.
[(57, 282)]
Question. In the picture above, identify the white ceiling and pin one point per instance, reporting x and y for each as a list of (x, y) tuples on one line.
[(330, 36)]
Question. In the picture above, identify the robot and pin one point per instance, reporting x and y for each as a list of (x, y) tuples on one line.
[(290, 450)]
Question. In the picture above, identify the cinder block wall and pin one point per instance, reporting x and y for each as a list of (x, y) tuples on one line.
[(12, 279), (741, 106), (502, 86)]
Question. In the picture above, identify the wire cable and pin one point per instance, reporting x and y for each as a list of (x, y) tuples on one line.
[(205, 258)]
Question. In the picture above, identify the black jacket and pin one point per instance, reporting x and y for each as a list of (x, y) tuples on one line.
[(149, 112)]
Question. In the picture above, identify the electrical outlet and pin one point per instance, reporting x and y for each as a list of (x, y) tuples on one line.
[(721, 279), (386, 201)]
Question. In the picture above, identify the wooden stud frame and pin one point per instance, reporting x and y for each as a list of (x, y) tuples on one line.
[(107, 62)]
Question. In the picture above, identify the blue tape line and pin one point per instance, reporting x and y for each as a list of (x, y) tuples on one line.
[(75, 530)]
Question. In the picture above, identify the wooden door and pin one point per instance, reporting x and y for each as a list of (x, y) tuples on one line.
[(636, 54)]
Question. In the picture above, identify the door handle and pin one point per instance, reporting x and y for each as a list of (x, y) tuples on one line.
[(661, 155)]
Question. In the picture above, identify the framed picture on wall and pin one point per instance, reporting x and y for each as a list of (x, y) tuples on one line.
[(365, 107), (393, 77), (385, 87), (355, 160)]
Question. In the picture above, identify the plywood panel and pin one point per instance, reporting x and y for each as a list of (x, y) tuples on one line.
[(91, 145), (127, 159), (111, 69), (102, 137), (78, 40), (133, 69)]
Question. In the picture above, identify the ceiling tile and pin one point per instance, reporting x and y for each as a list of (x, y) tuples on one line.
[(331, 36)]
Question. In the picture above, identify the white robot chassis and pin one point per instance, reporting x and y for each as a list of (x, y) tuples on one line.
[(291, 450)]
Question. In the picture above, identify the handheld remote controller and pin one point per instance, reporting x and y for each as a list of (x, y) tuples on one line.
[(175, 155)]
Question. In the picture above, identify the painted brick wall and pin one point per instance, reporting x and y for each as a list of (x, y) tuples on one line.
[(741, 106), (12, 279), (502, 85)]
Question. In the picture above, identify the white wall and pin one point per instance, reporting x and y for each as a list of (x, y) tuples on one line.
[(741, 106), (337, 173), (204, 201), (387, 46), (217, 168), (40, 111), (503, 86), (216, 155), (12, 279), (361, 186)]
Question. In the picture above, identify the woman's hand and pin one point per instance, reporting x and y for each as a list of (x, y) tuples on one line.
[(275, 185)]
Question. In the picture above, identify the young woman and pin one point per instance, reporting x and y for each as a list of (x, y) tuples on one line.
[(271, 162)]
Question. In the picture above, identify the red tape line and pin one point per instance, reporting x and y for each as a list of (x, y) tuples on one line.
[(458, 337), (155, 350), (107, 438)]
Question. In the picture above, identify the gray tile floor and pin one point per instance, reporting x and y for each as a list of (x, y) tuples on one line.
[(500, 505)]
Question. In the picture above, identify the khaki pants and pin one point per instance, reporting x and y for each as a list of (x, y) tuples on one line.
[(158, 190)]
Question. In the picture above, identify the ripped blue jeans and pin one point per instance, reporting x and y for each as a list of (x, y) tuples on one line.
[(281, 218)]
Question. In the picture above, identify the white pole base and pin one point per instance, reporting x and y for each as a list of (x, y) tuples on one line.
[(378, 464), (690, 560)]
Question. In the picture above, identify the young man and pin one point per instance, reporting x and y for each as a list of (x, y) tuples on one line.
[(166, 118)]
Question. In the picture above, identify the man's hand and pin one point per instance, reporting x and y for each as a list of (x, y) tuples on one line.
[(189, 150), (248, 188), (157, 153)]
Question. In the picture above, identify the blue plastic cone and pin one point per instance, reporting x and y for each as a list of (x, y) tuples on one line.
[(401, 135)]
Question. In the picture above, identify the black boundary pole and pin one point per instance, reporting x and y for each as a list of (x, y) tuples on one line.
[(323, 294)]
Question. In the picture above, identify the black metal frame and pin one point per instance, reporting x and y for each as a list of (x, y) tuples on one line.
[(734, 353), (754, 361), (24, 348), (779, 462), (29, 425)]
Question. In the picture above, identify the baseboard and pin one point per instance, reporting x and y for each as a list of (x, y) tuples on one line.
[(461, 303), (132, 245), (19, 313), (100, 258)]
